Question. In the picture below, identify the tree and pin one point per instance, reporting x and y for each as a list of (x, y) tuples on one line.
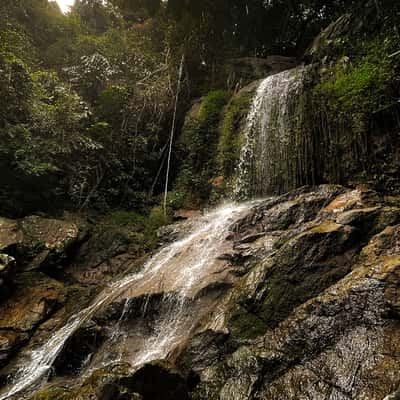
[(138, 10)]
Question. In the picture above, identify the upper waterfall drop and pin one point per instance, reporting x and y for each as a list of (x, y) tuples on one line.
[(267, 161)]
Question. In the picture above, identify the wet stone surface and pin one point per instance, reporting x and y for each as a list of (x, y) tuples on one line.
[(294, 297)]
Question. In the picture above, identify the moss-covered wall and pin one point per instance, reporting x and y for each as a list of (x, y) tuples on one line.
[(198, 146), (352, 110), (210, 146)]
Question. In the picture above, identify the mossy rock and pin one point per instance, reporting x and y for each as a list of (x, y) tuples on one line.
[(302, 268), (102, 384), (198, 148), (231, 131), (52, 394)]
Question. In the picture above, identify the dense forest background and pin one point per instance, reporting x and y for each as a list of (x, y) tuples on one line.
[(87, 98)]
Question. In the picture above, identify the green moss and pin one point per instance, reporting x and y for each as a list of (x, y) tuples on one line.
[(351, 113), (212, 106), (244, 325), (230, 141), (137, 231), (360, 88), (52, 394), (198, 147)]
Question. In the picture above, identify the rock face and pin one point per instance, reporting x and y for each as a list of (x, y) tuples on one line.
[(317, 316), (7, 271), (36, 242), (242, 71), (301, 302), (348, 25), (158, 381), (28, 297), (46, 241), (35, 298)]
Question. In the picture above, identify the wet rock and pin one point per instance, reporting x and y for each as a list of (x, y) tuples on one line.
[(37, 242), (46, 241), (35, 298), (205, 349), (102, 384), (299, 301), (287, 211), (299, 270), (7, 272), (342, 342), (346, 343), (158, 381), (79, 349)]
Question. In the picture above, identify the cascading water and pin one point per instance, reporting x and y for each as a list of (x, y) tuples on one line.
[(266, 162), (179, 270)]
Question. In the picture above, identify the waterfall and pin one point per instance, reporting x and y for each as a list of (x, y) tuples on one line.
[(268, 161), (179, 271)]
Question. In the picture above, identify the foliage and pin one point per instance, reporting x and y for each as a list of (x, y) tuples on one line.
[(141, 228), (198, 144), (230, 140), (86, 99), (362, 86), (353, 98)]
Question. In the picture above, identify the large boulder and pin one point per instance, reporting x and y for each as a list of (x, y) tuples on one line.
[(35, 298), (46, 241), (7, 272), (158, 380), (317, 315), (301, 301), (109, 251), (242, 71), (37, 242)]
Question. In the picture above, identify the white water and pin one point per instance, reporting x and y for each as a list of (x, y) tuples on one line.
[(181, 269), (268, 134)]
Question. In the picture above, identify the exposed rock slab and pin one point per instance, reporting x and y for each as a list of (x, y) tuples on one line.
[(301, 300), (35, 298), (37, 242), (318, 318)]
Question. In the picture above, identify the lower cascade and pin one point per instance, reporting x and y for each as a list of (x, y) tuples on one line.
[(274, 298), (178, 273)]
